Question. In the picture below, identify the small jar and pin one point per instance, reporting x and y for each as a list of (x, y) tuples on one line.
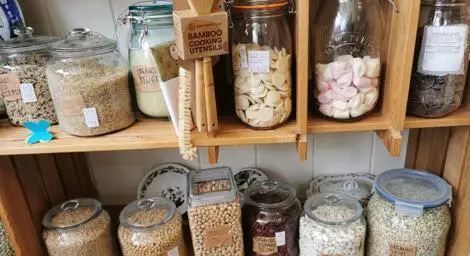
[(332, 224), (214, 212), (79, 227), (89, 83), (151, 226), (441, 58), (271, 218), (408, 214), (261, 59), (23, 84)]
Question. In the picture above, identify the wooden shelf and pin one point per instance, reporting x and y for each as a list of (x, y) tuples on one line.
[(375, 122), (460, 117)]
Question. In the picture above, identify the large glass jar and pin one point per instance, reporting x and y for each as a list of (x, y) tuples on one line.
[(79, 227), (261, 60), (89, 84), (270, 219), (150, 54), (408, 214), (441, 58), (348, 38), (23, 84), (332, 224)]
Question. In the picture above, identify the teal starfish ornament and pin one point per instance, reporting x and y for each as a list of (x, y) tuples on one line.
[(39, 132)]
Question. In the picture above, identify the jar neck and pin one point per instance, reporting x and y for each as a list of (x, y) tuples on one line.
[(444, 3), (272, 10)]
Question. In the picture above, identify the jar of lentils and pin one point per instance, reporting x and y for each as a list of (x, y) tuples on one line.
[(332, 224), (214, 212), (270, 218), (79, 228), (151, 226), (408, 214)]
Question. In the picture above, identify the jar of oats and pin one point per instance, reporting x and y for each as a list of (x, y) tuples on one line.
[(89, 84), (214, 212), (23, 84), (151, 226), (79, 227), (408, 214)]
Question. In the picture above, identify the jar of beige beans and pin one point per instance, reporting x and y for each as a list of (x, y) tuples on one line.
[(151, 227), (79, 227), (214, 213)]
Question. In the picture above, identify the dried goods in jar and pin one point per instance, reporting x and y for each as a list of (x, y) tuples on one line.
[(5, 246), (3, 111)]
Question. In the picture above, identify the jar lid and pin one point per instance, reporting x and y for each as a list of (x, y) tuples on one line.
[(165, 7), (270, 194), (444, 2), (212, 186), (83, 42), (147, 213), (333, 208), (260, 7), (412, 191), (72, 213), (26, 41)]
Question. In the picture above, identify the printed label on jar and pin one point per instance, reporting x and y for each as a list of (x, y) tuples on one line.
[(28, 95), (401, 250), (146, 78), (72, 105), (243, 57), (258, 61), (10, 87), (264, 245), (173, 252), (91, 117), (218, 237)]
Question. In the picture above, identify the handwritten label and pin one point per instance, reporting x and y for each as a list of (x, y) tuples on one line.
[(10, 87), (243, 57), (72, 105), (218, 237), (401, 250), (91, 117), (173, 252), (27, 93), (258, 61), (264, 245), (146, 78), (281, 238)]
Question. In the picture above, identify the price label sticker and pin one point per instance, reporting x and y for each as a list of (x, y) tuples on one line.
[(27, 93), (281, 238), (91, 117), (258, 61), (243, 57)]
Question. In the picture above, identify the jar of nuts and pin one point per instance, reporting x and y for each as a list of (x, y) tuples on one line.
[(270, 219), (79, 228), (261, 60), (214, 212), (151, 226)]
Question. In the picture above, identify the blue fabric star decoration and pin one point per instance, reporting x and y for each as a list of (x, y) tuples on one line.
[(38, 132)]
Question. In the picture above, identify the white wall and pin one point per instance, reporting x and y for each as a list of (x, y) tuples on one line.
[(117, 174)]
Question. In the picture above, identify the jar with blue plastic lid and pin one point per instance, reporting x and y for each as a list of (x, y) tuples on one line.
[(409, 214)]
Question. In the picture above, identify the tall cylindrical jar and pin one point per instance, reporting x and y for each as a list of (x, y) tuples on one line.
[(348, 39), (332, 224), (89, 84), (270, 219), (23, 84), (79, 227), (441, 58), (261, 59), (151, 226), (408, 214)]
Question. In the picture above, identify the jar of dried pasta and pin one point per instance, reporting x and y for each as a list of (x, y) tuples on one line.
[(151, 226), (79, 227)]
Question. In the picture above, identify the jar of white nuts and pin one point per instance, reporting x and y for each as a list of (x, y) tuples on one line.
[(261, 61), (332, 224), (214, 213), (79, 227), (151, 226)]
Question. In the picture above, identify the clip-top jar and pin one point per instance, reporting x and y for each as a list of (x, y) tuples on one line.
[(261, 58)]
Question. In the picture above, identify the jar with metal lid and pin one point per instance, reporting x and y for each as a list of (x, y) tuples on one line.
[(214, 212), (408, 214), (441, 58), (270, 219), (151, 226), (262, 62), (89, 84), (332, 224), (23, 84), (79, 227)]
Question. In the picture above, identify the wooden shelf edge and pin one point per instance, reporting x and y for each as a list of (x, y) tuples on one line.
[(460, 117), (374, 122)]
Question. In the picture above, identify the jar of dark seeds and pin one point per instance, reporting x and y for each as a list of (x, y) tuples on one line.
[(441, 58), (79, 228), (270, 219), (23, 84)]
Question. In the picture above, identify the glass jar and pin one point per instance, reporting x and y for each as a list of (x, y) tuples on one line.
[(79, 227), (332, 224), (23, 84), (261, 60), (408, 214), (5, 245), (270, 218), (348, 39), (150, 54), (89, 83), (215, 216), (441, 58), (151, 226)]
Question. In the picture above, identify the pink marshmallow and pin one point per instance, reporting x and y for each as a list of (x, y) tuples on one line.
[(326, 97), (322, 85), (345, 80), (339, 68), (348, 93), (327, 109), (363, 82)]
